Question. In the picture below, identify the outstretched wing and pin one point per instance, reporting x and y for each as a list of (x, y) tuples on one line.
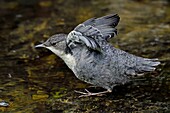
[(104, 26), (94, 30)]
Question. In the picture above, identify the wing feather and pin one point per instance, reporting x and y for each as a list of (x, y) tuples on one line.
[(94, 30)]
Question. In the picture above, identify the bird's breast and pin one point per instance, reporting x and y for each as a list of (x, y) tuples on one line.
[(69, 60)]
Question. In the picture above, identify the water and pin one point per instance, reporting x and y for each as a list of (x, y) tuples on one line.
[(34, 81)]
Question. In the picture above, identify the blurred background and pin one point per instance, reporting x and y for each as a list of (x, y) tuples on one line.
[(34, 81)]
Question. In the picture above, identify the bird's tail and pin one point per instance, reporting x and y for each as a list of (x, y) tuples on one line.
[(147, 65)]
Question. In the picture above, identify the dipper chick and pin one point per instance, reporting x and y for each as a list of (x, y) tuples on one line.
[(87, 52)]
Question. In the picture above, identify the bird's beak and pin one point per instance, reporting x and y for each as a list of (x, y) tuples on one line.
[(40, 45)]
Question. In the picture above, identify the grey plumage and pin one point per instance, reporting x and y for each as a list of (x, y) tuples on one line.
[(112, 67), (94, 31), (93, 59)]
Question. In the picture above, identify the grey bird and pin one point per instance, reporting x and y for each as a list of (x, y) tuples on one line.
[(87, 52)]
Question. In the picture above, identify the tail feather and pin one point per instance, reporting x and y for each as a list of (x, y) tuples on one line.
[(147, 65)]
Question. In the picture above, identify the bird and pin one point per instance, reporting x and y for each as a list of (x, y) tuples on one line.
[(86, 50)]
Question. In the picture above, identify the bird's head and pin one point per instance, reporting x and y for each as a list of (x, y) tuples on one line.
[(56, 43)]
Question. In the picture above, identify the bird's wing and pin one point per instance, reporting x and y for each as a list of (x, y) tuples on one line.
[(94, 30), (104, 26)]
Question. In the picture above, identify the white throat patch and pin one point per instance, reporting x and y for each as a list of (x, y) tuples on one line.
[(68, 58)]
